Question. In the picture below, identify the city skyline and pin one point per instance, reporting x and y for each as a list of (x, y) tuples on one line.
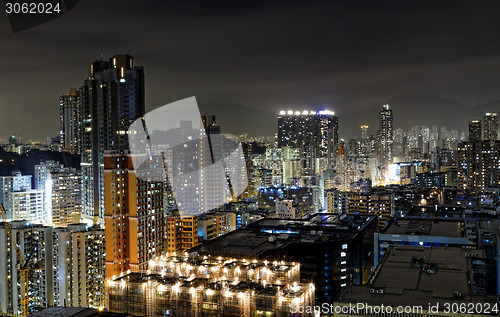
[(280, 158), (348, 71)]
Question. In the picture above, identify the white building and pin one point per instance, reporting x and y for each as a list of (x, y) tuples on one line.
[(28, 205), (71, 261), (81, 263), (40, 285), (14, 183), (285, 209), (61, 188)]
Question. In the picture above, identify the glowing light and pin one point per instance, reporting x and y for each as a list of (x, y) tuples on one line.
[(326, 112), (162, 288), (175, 288)]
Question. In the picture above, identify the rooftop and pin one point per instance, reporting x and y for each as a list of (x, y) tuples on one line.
[(268, 234), (427, 227), (424, 275)]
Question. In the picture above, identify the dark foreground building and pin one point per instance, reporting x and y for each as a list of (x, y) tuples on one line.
[(421, 281), (332, 250)]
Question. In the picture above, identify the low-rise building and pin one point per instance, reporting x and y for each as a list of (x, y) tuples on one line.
[(195, 285), (419, 281)]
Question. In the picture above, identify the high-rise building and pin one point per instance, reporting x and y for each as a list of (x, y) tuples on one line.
[(364, 132), (478, 166), (69, 109), (61, 188), (135, 215), (315, 133), (70, 266), (28, 205), (475, 131), (40, 288), (79, 263), (21, 202), (386, 133), (14, 183), (212, 177), (337, 201), (111, 98), (490, 127)]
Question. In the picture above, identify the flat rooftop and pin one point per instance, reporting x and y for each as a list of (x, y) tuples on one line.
[(268, 235), (241, 242), (418, 276), (256, 241), (318, 221), (427, 227)]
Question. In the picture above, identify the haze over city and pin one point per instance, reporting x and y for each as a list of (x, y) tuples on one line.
[(245, 63), (245, 159)]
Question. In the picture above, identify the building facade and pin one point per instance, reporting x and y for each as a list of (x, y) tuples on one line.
[(386, 133), (111, 99), (185, 285), (70, 124), (134, 214)]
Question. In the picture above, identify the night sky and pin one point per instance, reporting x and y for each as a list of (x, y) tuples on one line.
[(436, 62)]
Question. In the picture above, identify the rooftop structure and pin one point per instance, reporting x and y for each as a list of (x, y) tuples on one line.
[(333, 250), (422, 232), (193, 285)]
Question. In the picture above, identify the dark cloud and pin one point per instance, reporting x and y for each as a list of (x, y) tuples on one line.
[(258, 57)]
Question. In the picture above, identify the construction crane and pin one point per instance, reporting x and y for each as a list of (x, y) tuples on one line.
[(24, 265)]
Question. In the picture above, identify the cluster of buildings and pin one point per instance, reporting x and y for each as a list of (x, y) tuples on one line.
[(69, 260), (322, 220), (53, 197)]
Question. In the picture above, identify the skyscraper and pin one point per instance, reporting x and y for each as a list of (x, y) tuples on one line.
[(386, 133), (475, 131), (315, 133), (364, 132), (478, 166), (490, 126), (69, 106), (111, 98), (212, 179), (135, 215)]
